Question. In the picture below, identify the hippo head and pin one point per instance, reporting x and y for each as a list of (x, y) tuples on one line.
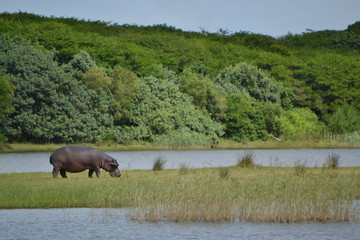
[(111, 166)]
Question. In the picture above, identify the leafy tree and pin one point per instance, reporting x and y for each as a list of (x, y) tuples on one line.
[(6, 95), (82, 62), (334, 81), (6, 107), (346, 119), (346, 40), (271, 112), (245, 120), (355, 28), (125, 89), (244, 78), (162, 109), (204, 92), (299, 122), (96, 79), (49, 104)]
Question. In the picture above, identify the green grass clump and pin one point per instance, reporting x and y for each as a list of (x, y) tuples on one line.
[(299, 169), (224, 173), (159, 164), (262, 194), (332, 161), (247, 160)]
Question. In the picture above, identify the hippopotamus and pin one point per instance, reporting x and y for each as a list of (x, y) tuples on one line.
[(78, 158)]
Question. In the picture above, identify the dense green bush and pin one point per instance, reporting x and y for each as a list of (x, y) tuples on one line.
[(245, 120), (244, 78), (161, 108), (355, 28), (299, 122), (204, 92), (125, 89), (49, 103), (334, 80), (346, 119), (6, 107)]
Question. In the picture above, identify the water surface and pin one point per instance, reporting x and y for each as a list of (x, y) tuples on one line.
[(87, 224), (39, 162)]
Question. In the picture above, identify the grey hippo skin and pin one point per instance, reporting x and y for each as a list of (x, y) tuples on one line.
[(77, 159)]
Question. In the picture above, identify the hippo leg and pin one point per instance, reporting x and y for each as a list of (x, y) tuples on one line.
[(63, 173), (55, 172), (90, 173), (97, 171)]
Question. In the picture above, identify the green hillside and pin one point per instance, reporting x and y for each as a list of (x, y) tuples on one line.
[(69, 80)]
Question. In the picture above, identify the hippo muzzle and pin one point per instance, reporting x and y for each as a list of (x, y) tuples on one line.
[(112, 168), (115, 173)]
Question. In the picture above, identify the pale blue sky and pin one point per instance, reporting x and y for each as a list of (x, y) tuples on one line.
[(271, 17)]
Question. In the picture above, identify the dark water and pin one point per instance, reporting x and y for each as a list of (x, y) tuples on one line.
[(112, 224), (39, 162)]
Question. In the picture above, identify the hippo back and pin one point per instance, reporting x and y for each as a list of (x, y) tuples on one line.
[(77, 156)]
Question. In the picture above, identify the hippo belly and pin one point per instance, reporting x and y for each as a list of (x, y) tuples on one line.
[(76, 159)]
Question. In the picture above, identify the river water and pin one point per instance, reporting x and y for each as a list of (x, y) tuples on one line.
[(87, 223), (39, 162)]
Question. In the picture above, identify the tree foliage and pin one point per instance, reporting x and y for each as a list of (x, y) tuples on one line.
[(49, 103), (245, 120), (6, 107), (246, 79), (75, 80), (299, 122), (204, 92), (125, 88), (346, 119), (162, 109), (94, 78)]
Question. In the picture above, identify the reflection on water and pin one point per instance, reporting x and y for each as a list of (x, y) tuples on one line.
[(39, 162), (112, 224)]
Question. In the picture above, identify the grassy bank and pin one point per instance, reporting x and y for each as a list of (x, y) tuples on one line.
[(289, 144), (109, 146), (255, 194), (224, 144)]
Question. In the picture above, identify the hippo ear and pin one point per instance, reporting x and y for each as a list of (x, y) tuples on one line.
[(114, 163)]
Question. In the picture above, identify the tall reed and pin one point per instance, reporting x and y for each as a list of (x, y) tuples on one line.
[(247, 160), (299, 168), (159, 164), (332, 161), (224, 173), (259, 196)]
